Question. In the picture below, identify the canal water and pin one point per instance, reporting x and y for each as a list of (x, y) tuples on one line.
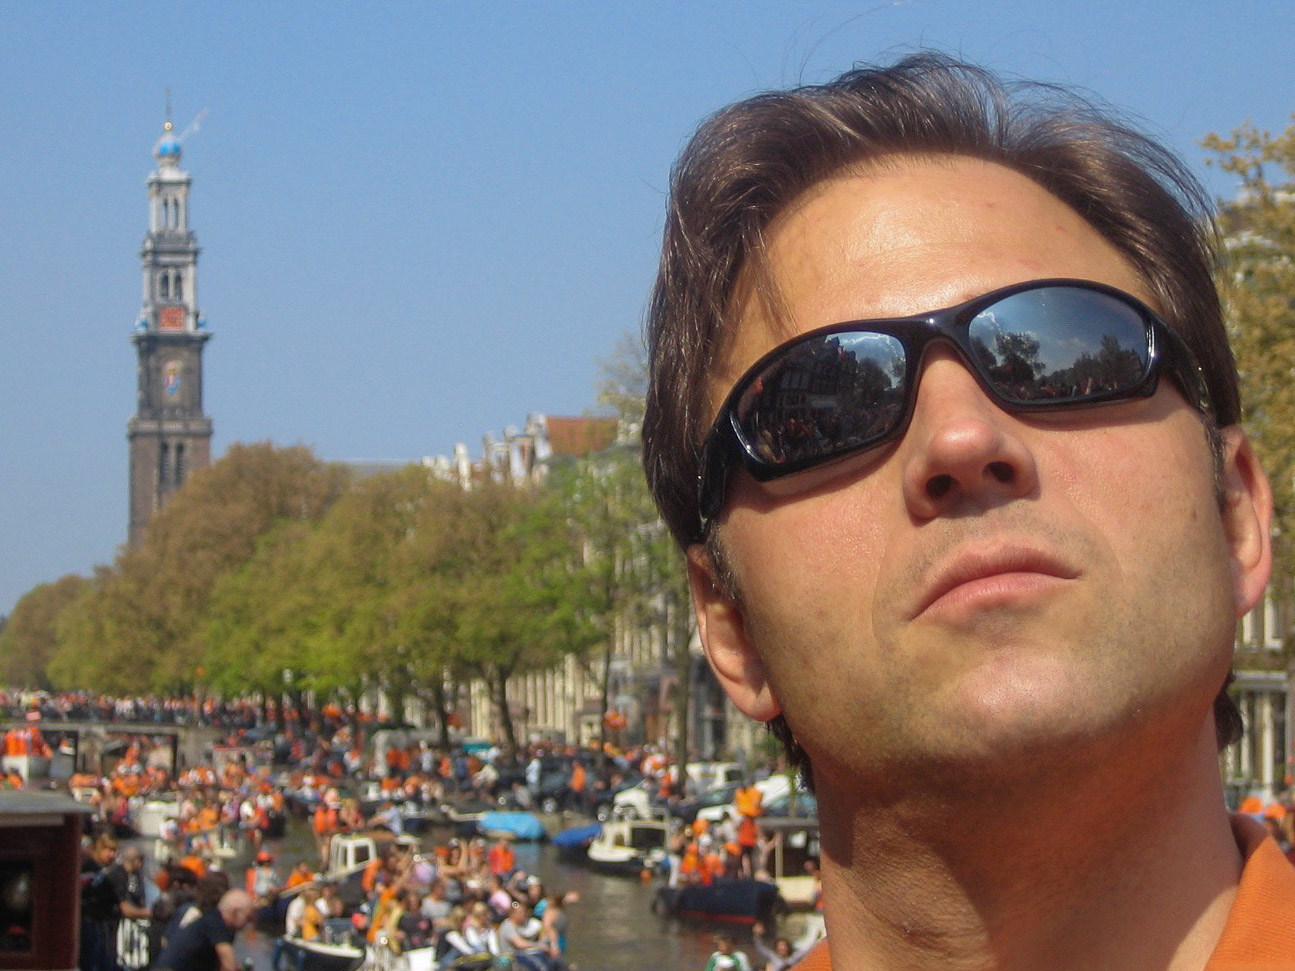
[(612, 927)]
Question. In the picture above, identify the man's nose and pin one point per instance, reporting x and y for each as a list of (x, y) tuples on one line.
[(961, 449)]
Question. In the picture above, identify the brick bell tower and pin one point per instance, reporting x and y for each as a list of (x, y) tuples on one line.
[(169, 435)]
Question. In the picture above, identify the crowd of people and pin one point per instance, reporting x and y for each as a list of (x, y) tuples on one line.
[(461, 901)]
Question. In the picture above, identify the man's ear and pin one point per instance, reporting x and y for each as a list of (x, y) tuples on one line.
[(722, 627), (1247, 519)]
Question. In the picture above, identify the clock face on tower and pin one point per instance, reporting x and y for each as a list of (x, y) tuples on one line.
[(170, 318)]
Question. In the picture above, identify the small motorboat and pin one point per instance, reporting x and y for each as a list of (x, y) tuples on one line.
[(629, 846), (419, 817), (349, 855), (794, 842), (516, 824), (740, 901), (326, 956), (465, 815), (152, 814), (573, 843)]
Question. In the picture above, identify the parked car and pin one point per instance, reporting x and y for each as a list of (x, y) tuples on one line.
[(721, 795), (775, 794), (604, 799), (707, 775)]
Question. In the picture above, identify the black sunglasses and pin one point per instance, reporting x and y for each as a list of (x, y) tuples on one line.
[(841, 389)]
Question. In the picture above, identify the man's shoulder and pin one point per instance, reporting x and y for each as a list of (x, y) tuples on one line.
[(818, 959), (211, 926), (118, 878), (1259, 932)]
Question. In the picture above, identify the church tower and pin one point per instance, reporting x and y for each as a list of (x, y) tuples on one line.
[(169, 436)]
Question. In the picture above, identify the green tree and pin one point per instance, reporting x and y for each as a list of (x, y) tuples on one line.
[(106, 637), (428, 567), (28, 638), (642, 578), (511, 572), (143, 623), (1258, 288), (359, 640), (260, 618), (623, 387)]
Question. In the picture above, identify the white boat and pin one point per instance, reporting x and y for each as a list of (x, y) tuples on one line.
[(630, 846), (150, 816), (349, 854), (29, 767), (323, 956), (794, 841)]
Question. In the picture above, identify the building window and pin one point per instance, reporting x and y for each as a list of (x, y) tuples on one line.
[(163, 466), (179, 286), (164, 285), (1272, 626), (179, 465)]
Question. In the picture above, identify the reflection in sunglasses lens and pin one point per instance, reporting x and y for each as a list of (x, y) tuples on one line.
[(844, 391)]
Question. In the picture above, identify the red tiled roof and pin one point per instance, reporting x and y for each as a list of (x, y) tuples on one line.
[(580, 436)]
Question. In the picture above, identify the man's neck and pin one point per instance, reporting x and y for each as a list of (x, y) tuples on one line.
[(1126, 866)]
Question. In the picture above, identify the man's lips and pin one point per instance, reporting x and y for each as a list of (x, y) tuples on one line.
[(1003, 572)]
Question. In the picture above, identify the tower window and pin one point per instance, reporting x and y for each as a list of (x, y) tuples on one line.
[(164, 286), (179, 465), (163, 466), (179, 285)]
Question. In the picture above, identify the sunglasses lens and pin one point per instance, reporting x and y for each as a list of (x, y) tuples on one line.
[(824, 397), (840, 392), (1060, 344)]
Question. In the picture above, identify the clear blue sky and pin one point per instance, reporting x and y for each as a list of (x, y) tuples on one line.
[(421, 221)]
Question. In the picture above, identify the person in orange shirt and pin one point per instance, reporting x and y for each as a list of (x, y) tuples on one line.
[(576, 786), (195, 864), (301, 873), (690, 864), (942, 411), (374, 868), (500, 858), (749, 801)]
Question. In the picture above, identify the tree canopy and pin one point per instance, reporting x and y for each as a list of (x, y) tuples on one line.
[(1258, 288), (141, 623), (28, 639)]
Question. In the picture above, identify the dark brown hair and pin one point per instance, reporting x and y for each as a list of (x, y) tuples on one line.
[(749, 161)]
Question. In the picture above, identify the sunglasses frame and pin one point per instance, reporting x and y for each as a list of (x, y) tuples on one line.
[(1166, 351)]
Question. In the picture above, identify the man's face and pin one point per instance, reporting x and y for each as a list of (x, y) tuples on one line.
[(992, 585)]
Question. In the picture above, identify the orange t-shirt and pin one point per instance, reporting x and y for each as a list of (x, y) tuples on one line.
[(1260, 932), (501, 859)]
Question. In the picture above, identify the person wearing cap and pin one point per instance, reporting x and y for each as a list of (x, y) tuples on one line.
[(261, 879), (942, 411)]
